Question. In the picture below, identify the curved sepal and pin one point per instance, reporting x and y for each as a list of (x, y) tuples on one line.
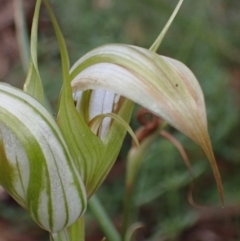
[(163, 85), (36, 167), (153, 81)]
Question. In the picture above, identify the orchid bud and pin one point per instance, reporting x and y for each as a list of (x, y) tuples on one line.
[(36, 168)]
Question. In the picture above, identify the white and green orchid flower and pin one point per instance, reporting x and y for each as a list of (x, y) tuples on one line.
[(36, 167), (163, 85), (51, 168)]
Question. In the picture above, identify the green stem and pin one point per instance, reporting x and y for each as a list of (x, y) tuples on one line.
[(22, 33), (60, 236), (135, 157), (76, 231), (126, 210), (103, 219)]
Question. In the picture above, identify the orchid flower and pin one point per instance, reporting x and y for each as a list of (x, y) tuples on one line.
[(51, 167), (163, 85)]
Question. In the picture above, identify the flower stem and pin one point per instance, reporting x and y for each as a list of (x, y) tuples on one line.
[(76, 231), (103, 219), (60, 236), (134, 160)]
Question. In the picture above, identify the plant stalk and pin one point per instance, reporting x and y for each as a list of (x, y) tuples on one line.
[(135, 158), (103, 219), (60, 236), (77, 230)]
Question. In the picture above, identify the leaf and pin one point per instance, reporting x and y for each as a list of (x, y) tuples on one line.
[(33, 84), (36, 167)]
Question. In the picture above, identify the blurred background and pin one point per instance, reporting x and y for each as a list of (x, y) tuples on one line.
[(205, 36)]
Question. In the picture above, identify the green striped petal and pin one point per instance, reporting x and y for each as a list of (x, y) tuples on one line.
[(36, 167)]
